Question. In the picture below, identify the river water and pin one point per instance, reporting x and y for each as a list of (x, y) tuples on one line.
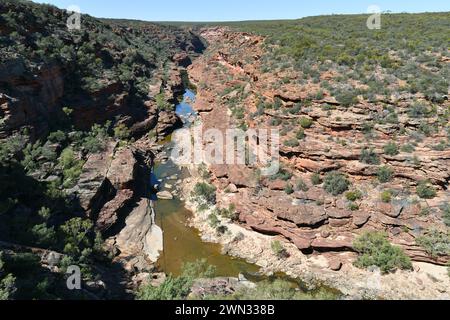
[(181, 242)]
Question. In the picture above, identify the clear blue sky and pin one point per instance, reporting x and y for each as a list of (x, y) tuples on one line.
[(229, 10)]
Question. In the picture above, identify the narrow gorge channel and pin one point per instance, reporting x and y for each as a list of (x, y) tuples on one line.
[(183, 243)]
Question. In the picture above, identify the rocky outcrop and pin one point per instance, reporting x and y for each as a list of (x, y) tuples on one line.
[(333, 139), (140, 236)]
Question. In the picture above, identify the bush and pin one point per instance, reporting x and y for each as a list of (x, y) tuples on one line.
[(204, 191), (316, 179), (292, 143), (353, 195), (302, 186), (122, 132), (306, 123), (435, 243), (425, 190), (289, 189), (369, 156), (278, 250), (71, 167), (385, 174), (391, 149), (386, 196), (336, 183), (446, 214), (178, 288), (374, 249)]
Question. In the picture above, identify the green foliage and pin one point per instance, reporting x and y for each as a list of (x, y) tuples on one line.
[(336, 183), (375, 250), (301, 185), (386, 196), (204, 192), (353, 195), (96, 139), (122, 132), (279, 250), (178, 288), (306, 123), (385, 174), (229, 213), (436, 243), (289, 189), (276, 290), (71, 166), (391, 149), (7, 282), (425, 190), (369, 156), (316, 179), (446, 214)]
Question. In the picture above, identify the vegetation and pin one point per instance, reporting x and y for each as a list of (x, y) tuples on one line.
[(279, 250), (425, 190), (353, 195), (385, 174), (178, 288), (436, 243), (391, 149), (375, 250), (336, 183), (386, 196), (204, 192), (369, 156)]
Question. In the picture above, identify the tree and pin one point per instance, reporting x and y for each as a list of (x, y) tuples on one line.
[(374, 249), (7, 282)]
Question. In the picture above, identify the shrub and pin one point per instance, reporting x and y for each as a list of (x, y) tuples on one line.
[(435, 243), (178, 288), (353, 195), (71, 166), (300, 135), (306, 123), (425, 190), (408, 148), (391, 149), (292, 143), (386, 196), (122, 132), (336, 183), (446, 214), (374, 249), (302, 186), (204, 191), (278, 250), (369, 156), (385, 174), (289, 189), (229, 213), (316, 179), (213, 221)]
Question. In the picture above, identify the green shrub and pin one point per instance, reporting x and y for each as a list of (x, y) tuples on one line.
[(302, 186), (446, 214), (336, 183), (213, 221), (369, 156), (300, 135), (71, 166), (292, 143), (385, 174), (425, 190), (279, 250), (289, 189), (306, 123), (391, 149), (374, 249), (178, 288), (316, 179), (122, 132), (435, 243), (204, 191), (386, 196), (353, 195)]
